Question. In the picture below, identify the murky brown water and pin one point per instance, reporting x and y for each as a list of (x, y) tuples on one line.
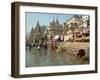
[(49, 57)]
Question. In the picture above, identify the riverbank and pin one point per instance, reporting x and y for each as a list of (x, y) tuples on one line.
[(73, 46)]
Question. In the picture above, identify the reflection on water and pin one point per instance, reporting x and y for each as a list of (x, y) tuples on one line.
[(48, 57)]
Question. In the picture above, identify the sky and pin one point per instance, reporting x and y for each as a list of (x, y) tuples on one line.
[(31, 19)]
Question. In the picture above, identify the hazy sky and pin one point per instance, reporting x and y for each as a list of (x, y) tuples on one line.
[(31, 19)]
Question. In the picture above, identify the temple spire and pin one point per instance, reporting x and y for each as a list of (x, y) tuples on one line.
[(53, 21), (38, 28), (57, 22), (38, 24), (32, 30)]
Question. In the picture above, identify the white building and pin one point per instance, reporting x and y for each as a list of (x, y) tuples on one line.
[(73, 22), (85, 20)]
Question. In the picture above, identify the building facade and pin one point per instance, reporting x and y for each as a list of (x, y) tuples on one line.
[(78, 27), (55, 28), (37, 33)]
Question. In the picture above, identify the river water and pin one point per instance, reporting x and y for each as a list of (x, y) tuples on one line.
[(48, 57)]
